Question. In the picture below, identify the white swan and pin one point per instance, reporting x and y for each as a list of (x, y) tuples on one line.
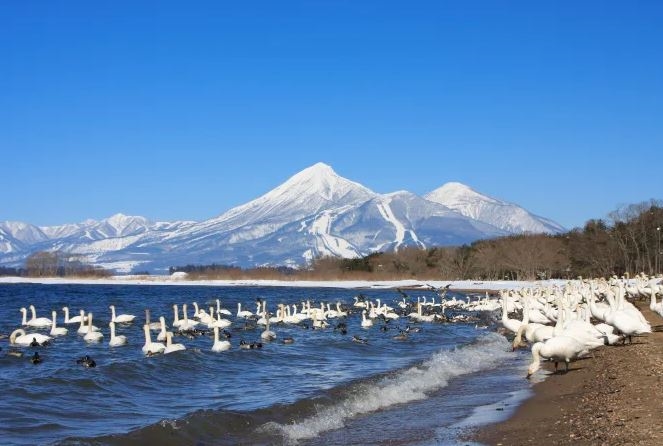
[(152, 325), (151, 347), (83, 329), (163, 333), (653, 306), (245, 313), (365, 322), (122, 318), (558, 348), (91, 335), (222, 310), (67, 319), (20, 337), (57, 331), (170, 347), (219, 346), (510, 324), (186, 323), (41, 322), (267, 335), (115, 341)]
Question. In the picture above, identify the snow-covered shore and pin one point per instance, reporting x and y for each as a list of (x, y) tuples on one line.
[(350, 284)]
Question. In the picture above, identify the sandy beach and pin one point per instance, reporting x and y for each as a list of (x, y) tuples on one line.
[(612, 398)]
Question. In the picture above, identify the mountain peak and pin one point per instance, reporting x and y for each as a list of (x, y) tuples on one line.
[(454, 192), (310, 190), (501, 214)]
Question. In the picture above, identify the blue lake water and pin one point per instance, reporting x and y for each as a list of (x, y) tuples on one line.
[(322, 389)]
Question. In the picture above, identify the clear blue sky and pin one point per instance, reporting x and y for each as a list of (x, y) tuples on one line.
[(182, 110)]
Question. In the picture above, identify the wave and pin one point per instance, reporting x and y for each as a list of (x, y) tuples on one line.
[(309, 418), (408, 385)]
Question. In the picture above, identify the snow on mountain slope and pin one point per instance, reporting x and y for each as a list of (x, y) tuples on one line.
[(507, 216), (23, 232), (314, 213)]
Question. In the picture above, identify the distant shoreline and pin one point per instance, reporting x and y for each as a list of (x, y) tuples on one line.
[(467, 286)]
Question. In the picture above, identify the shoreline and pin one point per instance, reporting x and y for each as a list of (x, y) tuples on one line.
[(465, 286), (611, 398)]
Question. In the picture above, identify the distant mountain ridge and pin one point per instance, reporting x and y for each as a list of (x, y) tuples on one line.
[(315, 212)]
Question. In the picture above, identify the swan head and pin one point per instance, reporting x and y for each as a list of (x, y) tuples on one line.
[(16, 333), (23, 310)]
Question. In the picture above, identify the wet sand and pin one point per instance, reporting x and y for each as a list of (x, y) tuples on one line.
[(614, 398)]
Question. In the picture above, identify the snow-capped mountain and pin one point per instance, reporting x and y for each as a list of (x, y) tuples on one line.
[(501, 214), (314, 213)]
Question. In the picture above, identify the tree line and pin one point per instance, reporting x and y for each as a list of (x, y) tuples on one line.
[(58, 264), (629, 241)]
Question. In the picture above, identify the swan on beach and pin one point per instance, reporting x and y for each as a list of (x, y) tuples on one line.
[(115, 341), (122, 318), (20, 337), (558, 348), (219, 346), (57, 331)]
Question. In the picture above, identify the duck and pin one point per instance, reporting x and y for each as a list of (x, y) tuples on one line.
[(288, 340), (121, 318), (86, 361), (73, 320), (219, 346), (57, 331), (115, 341), (150, 347), (91, 335), (36, 359), (402, 336), (20, 337), (170, 347), (359, 340)]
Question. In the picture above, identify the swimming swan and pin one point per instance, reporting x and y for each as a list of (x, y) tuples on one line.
[(41, 322), (20, 337), (91, 335), (57, 331), (115, 341), (83, 329), (122, 318), (170, 347), (73, 320), (151, 347), (219, 346)]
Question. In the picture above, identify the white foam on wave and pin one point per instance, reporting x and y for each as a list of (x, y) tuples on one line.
[(409, 385)]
